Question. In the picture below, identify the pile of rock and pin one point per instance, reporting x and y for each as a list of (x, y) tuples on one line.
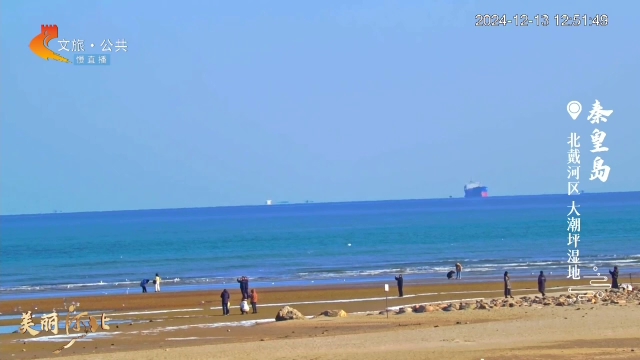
[(289, 313), (425, 308), (333, 313), (608, 297)]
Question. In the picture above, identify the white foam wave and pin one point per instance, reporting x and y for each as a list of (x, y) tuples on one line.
[(318, 302), (245, 323), (120, 284), (197, 338), (67, 338), (477, 266), (330, 301), (209, 326), (154, 312)]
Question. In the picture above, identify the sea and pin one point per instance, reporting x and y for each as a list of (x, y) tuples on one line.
[(94, 253)]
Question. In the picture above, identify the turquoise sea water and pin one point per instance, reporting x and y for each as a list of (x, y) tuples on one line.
[(110, 252)]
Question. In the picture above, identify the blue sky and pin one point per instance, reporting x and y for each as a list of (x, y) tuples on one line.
[(229, 103)]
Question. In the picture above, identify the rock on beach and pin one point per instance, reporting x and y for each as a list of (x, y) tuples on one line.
[(333, 313), (608, 297), (289, 313)]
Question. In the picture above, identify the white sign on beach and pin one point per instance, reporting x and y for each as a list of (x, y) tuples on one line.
[(386, 287)]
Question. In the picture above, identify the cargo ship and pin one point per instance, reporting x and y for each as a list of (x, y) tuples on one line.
[(475, 190)]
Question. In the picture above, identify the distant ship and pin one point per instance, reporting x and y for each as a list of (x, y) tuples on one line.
[(475, 190)]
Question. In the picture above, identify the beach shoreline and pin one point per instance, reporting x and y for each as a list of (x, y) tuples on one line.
[(628, 275), (188, 323), (171, 299)]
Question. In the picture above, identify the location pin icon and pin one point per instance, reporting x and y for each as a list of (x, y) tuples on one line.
[(574, 108)]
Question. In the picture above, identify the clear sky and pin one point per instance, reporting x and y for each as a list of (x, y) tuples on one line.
[(230, 103)]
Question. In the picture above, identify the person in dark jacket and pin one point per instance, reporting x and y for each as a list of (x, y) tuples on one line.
[(450, 274), (143, 285), (614, 278), (507, 285), (542, 283), (400, 281), (246, 288), (225, 296), (243, 290)]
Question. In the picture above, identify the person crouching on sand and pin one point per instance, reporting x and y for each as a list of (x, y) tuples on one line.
[(254, 301), (450, 274), (542, 283), (225, 296), (244, 307), (157, 282), (507, 285), (143, 285)]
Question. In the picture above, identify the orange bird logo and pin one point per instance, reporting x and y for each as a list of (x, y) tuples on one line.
[(40, 44)]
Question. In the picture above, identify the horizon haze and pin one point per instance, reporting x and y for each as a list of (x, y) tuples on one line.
[(284, 203)]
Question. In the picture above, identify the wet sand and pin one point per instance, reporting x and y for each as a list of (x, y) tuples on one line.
[(514, 333), (453, 289)]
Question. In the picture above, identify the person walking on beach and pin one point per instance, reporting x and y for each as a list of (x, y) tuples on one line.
[(143, 285), (507, 285), (157, 282), (458, 271), (244, 307), (224, 295), (254, 301), (542, 283), (614, 278), (400, 281)]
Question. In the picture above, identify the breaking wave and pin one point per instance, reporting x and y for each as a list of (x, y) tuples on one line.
[(332, 274)]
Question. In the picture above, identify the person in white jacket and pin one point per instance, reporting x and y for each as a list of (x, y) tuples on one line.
[(157, 282), (244, 306)]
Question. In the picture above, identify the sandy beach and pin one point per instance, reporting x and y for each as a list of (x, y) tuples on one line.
[(190, 324)]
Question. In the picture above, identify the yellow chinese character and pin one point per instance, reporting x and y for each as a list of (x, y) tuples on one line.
[(94, 323), (27, 324), (103, 322), (67, 322), (50, 323), (77, 320)]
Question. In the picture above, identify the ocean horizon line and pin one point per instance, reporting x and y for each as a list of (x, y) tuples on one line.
[(294, 203)]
